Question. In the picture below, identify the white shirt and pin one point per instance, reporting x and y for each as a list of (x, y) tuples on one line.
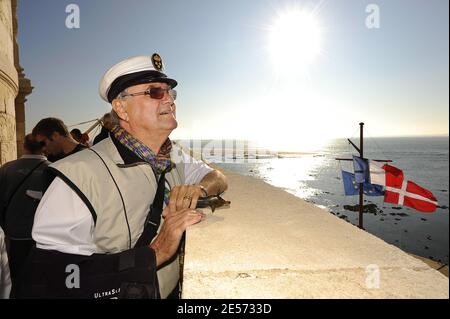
[(33, 156), (64, 223)]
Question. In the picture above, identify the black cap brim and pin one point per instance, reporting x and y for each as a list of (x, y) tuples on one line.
[(127, 80)]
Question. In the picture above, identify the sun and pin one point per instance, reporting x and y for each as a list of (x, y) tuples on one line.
[(294, 40)]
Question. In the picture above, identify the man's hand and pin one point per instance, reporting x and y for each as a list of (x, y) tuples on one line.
[(175, 223), (185, 196)]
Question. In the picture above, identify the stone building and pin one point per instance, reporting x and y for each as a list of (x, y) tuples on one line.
[(14, 87)]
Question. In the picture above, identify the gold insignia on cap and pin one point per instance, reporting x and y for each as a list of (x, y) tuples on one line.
[(157, 62)]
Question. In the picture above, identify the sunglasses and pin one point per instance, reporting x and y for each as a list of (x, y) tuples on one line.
[(155, 93)]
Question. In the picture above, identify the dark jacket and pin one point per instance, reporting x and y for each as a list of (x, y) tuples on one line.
[(104, 133), (20, 195)]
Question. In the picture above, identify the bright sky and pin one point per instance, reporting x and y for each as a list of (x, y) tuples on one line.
[(283, 72)]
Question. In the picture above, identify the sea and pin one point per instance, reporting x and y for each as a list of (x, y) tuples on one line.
[(316, 177)]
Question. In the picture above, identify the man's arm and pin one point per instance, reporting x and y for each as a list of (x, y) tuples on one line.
[(186, 196), (63, 222), (214, 183), (200, 181)]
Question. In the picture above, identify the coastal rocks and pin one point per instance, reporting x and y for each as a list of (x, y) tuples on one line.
[(369, 208)]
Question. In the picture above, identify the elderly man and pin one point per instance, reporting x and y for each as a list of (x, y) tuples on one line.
[(103, 214)]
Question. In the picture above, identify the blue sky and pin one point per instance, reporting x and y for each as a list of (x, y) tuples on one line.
[(394, 78)]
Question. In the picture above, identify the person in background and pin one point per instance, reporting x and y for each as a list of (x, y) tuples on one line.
[(55, 137), (85, 140), (76, 135), (5, 279), (21, 186), (107, 125)]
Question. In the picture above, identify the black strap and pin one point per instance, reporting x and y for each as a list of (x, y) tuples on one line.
[(8, 202), (154, 215)]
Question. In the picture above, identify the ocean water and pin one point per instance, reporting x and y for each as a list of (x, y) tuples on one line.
[(316, 178)]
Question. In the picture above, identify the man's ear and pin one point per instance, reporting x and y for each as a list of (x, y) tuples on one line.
[(119, 108), (55, 136)]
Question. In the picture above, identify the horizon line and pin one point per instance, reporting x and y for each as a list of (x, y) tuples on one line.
[(332, 138)]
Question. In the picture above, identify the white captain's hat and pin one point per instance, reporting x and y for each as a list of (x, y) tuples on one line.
[(133, 71)]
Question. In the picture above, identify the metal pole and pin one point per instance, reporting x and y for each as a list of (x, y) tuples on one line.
[(361, 185)]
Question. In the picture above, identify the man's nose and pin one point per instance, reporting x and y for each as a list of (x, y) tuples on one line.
[(167, 97)]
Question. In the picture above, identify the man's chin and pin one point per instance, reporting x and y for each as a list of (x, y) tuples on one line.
[(170, 128), (174, 125)]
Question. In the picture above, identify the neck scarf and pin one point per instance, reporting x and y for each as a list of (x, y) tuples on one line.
[(160, 162)]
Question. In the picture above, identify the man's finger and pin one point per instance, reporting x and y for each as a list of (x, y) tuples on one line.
[(182, 219), (173, 198), (193, 218), (165, 211), (195, 197), (183, 199)]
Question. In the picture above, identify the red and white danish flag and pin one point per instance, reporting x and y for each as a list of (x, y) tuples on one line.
[(399, 190)]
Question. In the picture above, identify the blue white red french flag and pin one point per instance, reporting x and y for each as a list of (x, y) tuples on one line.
[(400, 190)]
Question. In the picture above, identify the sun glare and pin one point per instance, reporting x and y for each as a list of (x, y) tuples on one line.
[(294, 40)]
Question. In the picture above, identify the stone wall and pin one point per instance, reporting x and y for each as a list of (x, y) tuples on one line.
[(271, 244), (9, 84), (14, 87)]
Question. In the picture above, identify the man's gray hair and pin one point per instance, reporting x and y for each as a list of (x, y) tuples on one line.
[(115, 119), (122, 95)]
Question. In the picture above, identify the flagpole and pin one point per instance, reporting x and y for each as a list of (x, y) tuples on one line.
[(361, 185), (360, 150)]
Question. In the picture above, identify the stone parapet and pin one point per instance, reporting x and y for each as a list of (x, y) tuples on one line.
[(271, 244)]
